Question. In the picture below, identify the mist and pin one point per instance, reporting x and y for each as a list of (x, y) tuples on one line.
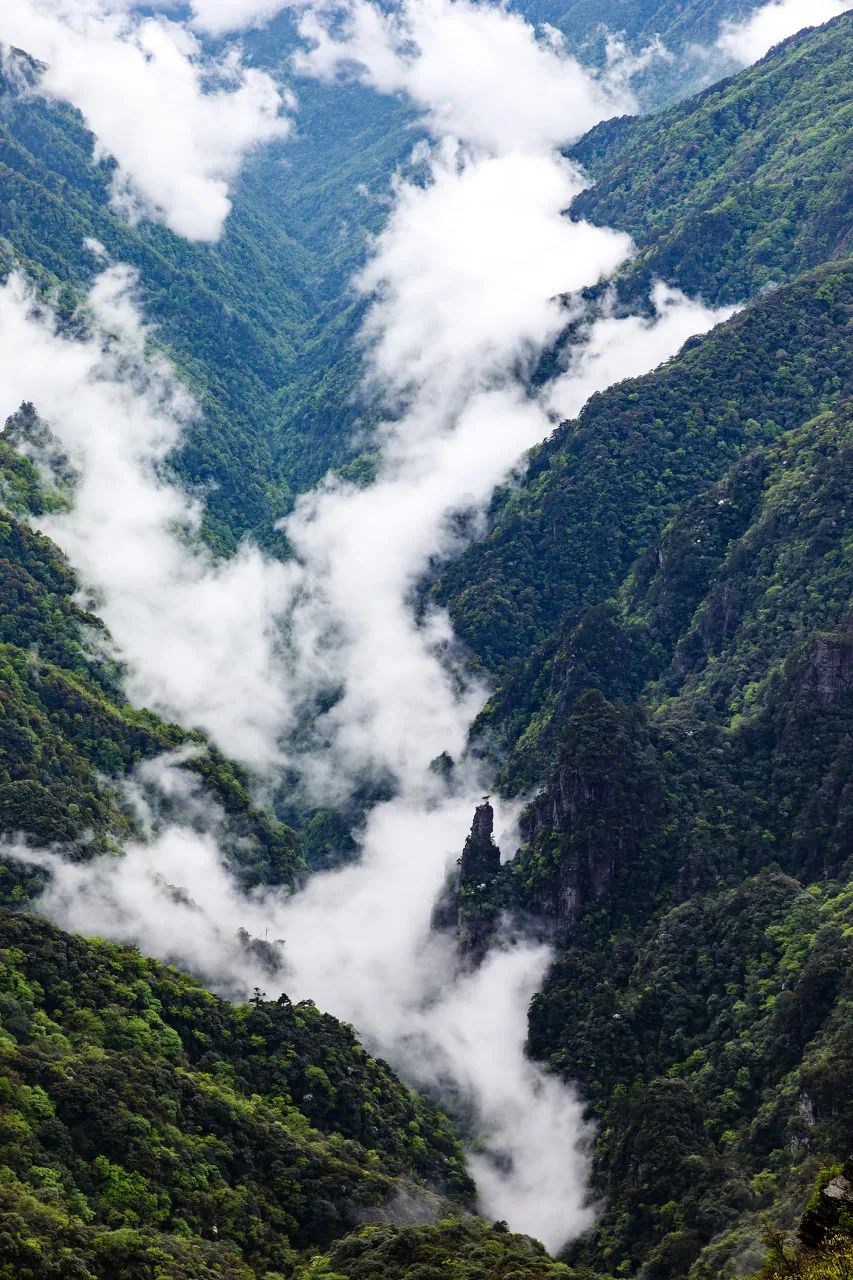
[(745, 42), (467, 286), (199, 638), (178, 124)]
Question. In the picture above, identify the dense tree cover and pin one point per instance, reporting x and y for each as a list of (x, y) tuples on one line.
[(665, 601), (715, 1049), (150, 1129), (686, 36), (68, 737), (452, 1249), (665, 604), (746, 185), (692, 853), (259, 324), (599, 491)]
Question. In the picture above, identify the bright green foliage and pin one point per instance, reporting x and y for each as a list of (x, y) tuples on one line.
[(150, 1129), (745, 185), (454, 1249), (261, 323), (68, 738), (832, 1261), (702, 1001)]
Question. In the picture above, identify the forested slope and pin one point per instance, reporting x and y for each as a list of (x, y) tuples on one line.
[(691, 852), (687, 33), (150, 1129), (69, 741), (260, 323), (744, 186), (665, 604), (600, 489)]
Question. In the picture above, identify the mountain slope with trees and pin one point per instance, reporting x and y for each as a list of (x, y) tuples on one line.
[(150, 1129), (260, 324), (740, 188), (664, 604), (69, 740)]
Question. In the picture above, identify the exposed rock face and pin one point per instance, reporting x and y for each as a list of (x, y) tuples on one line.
[(835, 1200), (481, 856), (829, 674), (584, 831), (469, 901)]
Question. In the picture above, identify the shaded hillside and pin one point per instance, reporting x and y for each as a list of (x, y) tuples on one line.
[(69, 741), (665, 607), (260, 323), (691, 856), (599, 490), (150, 1129), (687, 31), (715, 1049), (746, 185)]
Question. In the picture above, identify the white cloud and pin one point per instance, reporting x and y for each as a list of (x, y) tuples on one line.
[(358, 942), (468, 269), (617, 347), (747, 41), (465, 284), (478, 70), (218, 17), (179, 127), (198, 636)]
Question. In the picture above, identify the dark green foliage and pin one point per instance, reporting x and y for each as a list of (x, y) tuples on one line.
[(584, 835), (69, 739), (703, 1001), (746, 185), (454, 1249), (602, 489), (665, 605), (260, 324), (150, 1129), (716, 1052)]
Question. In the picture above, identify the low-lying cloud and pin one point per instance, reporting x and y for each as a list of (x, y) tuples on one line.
[(745, 42), (465, 283), (613, 348), (478, 71), (177, 124), (358, 942), (199, 637), (219, 17)]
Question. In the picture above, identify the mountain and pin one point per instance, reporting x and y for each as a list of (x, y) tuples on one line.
[(69, 741), (684, 35), (151, 1129), (663, 604), (261, 323), (740, 188)]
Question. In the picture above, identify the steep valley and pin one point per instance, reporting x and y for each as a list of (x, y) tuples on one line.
[(628, 1030)]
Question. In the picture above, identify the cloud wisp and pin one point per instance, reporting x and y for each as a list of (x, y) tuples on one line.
[(747, 41), (199, 638), (178, 125), (612, 348), (465, 284)]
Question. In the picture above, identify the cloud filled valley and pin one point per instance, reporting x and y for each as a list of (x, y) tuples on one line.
[(324, 671)]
